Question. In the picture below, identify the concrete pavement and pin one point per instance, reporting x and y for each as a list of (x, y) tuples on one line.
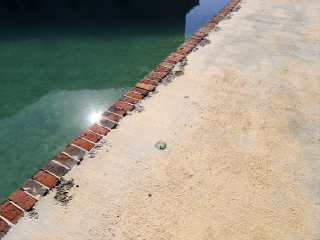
[(242, 127)]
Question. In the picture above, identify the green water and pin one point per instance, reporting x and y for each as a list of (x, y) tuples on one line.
[(54, 74), (51, 81)]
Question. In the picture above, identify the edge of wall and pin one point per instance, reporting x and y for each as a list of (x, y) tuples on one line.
[(23, 200)]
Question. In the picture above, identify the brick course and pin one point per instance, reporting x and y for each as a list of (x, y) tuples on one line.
[(4, 228), (55, 168), (98, 129), (45, 178), (22, 199), (10, 211), (65, 160), (34, 188), (123, 105)]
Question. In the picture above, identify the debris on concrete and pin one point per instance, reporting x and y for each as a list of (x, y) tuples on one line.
[(160, 145), (62, 193)]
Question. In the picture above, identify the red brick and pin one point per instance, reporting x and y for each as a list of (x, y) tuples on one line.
[(124, 106), (74, 152), (10, 211), (191, 40), (22, 199), (199, 34), (134, 95), (98, 129), (209, 26), (184, 49), (116, 110), (152, 78), (204, 30), (148, 82), (158, 75), (174, 59), (45, 178), (170, 61), (195, 37), (4, 228), (91, 136), (162, 72), (128, 100), (178, 55), (139, 90), (159, 67), (167, 65), (216, 18), (221, 14), (145, 86), (110, 116), (190, 43), (82, 143), (65, 160)]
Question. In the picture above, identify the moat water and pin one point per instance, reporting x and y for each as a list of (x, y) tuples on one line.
[(57, 73)]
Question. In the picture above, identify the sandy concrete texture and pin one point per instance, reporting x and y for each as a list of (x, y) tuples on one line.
[(242, 127)]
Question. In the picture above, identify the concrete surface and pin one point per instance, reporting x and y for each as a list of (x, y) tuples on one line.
[(243, 144)]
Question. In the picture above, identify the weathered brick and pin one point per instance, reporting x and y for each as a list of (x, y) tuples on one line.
[(178, 55), (98, 129), (4, 228), (148, 82), (152, 78), (128, 100), (190, 43), (139, 90), (209, 26), (195, 40), (91, 136), (106, 123), (10, 211), (228, 8), (158, 75), (167, 65), (65, 160), (118, 111), (170, 61), (195, 37), (174, 59), (84, 144), (74, 152), (22, 199), (162, 68), (221, 14), (145, 86), (184, 49), (110, 116), (34, 188), (123, 105), (200, 34), (162, 72), (203, 30), (55, 168), (134, 95), (216, 18), (45, 178)]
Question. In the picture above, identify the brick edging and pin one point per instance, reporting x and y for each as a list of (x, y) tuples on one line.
[(24, 199)]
